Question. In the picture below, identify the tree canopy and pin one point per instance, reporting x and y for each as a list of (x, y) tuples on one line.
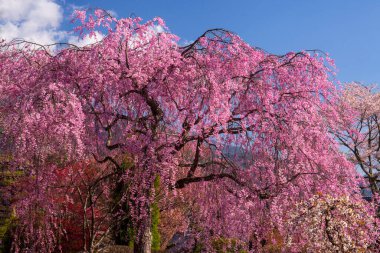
[(243, 134)]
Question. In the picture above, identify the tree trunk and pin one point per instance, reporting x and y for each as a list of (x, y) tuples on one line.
[(144, 244)]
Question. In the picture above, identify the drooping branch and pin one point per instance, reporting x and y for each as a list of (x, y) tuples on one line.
[(108, 159), (181, 183)]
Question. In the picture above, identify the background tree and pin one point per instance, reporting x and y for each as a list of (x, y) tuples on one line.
[(332, 225), (361, 137), (83, 192)]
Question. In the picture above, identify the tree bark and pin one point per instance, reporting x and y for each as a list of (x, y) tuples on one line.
[(145, 243)]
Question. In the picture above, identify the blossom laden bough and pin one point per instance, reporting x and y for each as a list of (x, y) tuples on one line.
[(331, 224)]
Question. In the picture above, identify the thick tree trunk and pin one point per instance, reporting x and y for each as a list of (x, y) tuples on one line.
[(145, 243)]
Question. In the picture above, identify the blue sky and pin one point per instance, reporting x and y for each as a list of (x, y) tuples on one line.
[(347, 29)]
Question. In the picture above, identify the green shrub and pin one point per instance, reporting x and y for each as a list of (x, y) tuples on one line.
[(156, 238)]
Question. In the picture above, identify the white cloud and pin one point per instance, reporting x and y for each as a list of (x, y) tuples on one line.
[(33, 20), (87, 40), (158, 29), (112, 13), (139, 40), (74, 7), (185, 42)]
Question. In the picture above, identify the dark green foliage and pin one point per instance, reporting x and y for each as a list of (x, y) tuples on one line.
[(6, 234), (7, 216), (227, 245), (156, 238), (198, 248), (123, 233)]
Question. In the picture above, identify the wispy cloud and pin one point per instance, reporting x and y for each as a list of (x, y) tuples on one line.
[(40, 21), (86, 40), (33, 20), (112, 13)]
